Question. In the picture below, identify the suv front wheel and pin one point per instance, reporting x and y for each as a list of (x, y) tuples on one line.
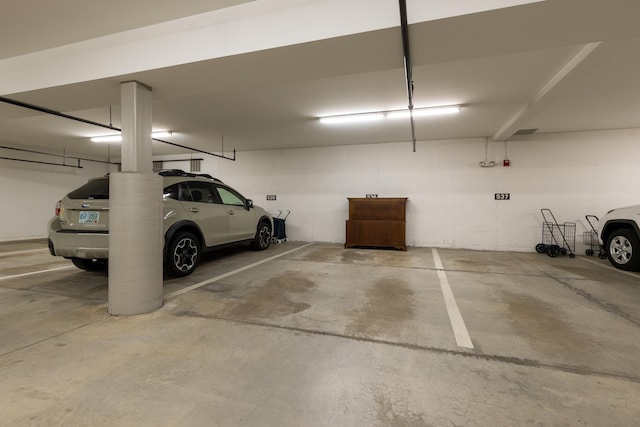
[(183, 254), (263, 237), (623, 249)]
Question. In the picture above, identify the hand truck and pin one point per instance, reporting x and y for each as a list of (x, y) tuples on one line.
[(279, 231)]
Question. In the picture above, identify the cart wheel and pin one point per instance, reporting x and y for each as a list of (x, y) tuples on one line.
[(553, 251), (572, 255), (541, 248), (589, 252), (602, 255), (563, 251)]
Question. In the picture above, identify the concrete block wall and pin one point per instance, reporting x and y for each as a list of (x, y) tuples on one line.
[(451, 198), (29, 193)]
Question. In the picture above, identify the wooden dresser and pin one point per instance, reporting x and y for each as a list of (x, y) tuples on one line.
[(377, 222)]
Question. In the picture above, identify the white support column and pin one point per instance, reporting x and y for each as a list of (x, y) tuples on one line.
[(135, 212), (135, 103)]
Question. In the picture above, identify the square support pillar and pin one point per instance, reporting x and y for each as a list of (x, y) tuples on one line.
[(135, 213), (135, 100)]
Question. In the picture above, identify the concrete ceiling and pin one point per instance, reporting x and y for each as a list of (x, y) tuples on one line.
[(554, 66)]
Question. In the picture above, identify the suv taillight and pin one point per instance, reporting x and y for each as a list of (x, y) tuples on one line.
[(58, 207)]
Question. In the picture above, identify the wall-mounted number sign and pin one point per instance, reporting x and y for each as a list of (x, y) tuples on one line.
[(503, 196), (271, 196)]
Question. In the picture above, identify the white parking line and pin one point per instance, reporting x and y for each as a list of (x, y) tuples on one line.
[(231, 273), (455, 317), (22, 252), (610, 267), (66, 267)]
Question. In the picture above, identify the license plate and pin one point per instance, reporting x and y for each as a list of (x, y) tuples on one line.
[(89, 217)]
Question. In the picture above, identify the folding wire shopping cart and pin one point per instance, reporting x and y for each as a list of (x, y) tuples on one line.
[(591, 237), (557, 239), (279, 228)]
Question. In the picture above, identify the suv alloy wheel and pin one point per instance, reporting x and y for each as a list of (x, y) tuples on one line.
[(183, 254), (623, 249), (263, 237)]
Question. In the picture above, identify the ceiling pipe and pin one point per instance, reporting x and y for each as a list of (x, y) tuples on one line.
[(55, 113), (42, 163), (113, 128), (64, 157), (408, 70)]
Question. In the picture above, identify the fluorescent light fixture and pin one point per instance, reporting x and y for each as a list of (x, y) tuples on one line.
[(161, 134), (118, 138), (393, 114), (107, 138), (353, 118), (423, 112)]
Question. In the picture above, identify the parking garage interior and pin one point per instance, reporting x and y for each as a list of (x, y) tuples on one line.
[(468, 326)]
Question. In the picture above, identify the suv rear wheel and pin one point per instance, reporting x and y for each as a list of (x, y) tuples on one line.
[(623, 249), (263, 237), (90, 264), (183, 255)]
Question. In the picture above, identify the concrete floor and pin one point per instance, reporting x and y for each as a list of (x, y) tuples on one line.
[(317, 335)]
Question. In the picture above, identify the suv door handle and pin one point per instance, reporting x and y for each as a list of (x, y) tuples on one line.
[(231, 212), (196, 210)]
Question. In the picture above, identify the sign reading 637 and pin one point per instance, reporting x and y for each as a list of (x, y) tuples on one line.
[(503, 196)]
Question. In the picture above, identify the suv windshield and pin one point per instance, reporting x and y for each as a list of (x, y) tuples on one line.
[(95, 189)]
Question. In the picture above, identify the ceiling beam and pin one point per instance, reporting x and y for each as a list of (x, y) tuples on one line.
[(526, 111)]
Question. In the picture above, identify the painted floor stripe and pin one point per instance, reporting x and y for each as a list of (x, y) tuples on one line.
[(231, 273), (22, 252), (605, 264), (66, 267), (455, 317)]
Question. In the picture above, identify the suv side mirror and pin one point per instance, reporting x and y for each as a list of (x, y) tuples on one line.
[(248, 204)]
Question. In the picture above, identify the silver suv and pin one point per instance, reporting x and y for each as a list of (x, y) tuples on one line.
[(620, 237), (200, 214)]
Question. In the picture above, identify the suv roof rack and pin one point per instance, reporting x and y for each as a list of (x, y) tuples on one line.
[(180, 172)]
